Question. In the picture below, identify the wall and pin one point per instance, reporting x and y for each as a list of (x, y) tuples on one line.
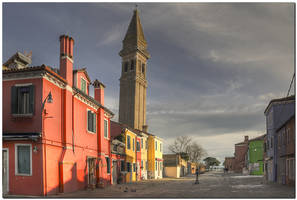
[(173, 172), (256, 157), (130, 155)]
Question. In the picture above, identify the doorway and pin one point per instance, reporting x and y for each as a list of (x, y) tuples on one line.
[(91, 172), (5, 172), (114, 172)]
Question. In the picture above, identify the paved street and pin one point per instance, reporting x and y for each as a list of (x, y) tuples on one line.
[(212, 184)]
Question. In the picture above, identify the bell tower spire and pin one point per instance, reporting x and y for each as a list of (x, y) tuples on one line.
[(133, 83)]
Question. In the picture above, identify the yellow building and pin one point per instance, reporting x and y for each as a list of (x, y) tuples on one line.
[(144, 151), (130, 155), (155, 157)]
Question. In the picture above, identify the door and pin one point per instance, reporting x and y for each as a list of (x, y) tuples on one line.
[(114, 172), (5, 173), (91, 172)]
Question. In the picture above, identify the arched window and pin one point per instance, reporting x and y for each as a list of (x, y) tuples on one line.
[(143, 68)]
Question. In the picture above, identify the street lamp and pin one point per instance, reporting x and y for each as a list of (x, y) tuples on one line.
[(49, 99)]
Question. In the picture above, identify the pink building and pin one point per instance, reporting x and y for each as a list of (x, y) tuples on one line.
[(56, 137)]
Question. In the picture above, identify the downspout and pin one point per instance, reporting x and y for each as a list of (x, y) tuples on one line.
[(73, 120)]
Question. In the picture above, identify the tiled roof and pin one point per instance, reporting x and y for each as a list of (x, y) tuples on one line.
[(258, 138), (83, 70)]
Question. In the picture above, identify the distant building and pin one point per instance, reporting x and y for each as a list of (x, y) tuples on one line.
[(277, 113), (174, 165), (240, 155), (230, 163), (255, 156), (286, 152)]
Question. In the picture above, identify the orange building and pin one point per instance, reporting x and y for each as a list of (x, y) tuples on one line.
[(56, 137)]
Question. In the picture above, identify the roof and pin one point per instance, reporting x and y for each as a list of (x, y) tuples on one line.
[(117, 125), (50, 70), (257, 138), (21, 136), (134, 36), (83, 70), (21, 57), (280, 100)]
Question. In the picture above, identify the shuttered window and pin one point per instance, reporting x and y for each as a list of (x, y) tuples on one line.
[(122, 165), (23, 159), (133, 144), (128, 167), (105, 128), (91, 121), (137, 146), (128, 142), (22, 99), (83, 85), (107, 164)]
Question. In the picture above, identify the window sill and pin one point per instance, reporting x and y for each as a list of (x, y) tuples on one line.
[(30, 115), (23, 174), (91, 132)]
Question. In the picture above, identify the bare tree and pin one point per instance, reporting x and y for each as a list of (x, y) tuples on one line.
[(196, 152), (181, 144), (186, 145)]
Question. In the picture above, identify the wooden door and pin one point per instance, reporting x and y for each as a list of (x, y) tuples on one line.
[(5, 173)]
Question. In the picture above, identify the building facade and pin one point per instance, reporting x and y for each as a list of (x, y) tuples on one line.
[(240, 155), (54, 132), (255, 156), (286, 152), (277, 112), (155, 157)]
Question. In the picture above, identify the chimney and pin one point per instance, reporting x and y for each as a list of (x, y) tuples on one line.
[(144, 128), (99, 91), (246, 138), (66, 58)]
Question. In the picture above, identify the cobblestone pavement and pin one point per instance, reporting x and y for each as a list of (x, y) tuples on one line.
[(212, 185)]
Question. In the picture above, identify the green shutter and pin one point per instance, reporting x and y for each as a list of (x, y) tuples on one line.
[(31, 98), (14, 100), (89, 120), (94, 122)]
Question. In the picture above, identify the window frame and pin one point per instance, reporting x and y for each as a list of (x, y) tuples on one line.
[(82, 78), (94, 121), (108, 165), (16, 102), (16, 159), (133, 144), (128, 142), (105, 120)]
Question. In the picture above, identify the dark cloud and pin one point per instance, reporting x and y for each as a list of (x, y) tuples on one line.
[(213, 70)]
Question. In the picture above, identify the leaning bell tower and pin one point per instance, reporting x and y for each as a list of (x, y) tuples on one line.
[(133, 83)]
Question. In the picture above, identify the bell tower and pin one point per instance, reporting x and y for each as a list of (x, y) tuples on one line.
[(133, 83)]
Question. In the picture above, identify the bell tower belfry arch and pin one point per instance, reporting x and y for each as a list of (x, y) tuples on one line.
[(133, 82)]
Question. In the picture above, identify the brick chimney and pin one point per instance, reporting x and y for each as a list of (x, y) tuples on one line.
[(246, 138), (66, 58), (99, 91)]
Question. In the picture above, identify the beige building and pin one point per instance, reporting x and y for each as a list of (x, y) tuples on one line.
[(133, 83), (174, 166), (144, 161)]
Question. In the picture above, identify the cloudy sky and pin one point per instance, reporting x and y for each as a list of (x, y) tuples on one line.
[(213, 67)]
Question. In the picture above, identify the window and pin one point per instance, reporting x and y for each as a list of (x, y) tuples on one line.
[(23, 159), (139, 65), (156, 145), (128, 142), (128, 167), (137, 146), (126, 66), (122, 165), (108, 164), (156, 165), (134, 167), (22, 99), (83, 85), (91, 121), (133, 145), (160, 147), (271, 141), (132, 65), (142, 143), (146, 165), (105, 128), (142, 164), (143, 68)]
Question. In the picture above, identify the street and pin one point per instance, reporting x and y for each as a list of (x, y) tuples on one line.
[(212, 185)]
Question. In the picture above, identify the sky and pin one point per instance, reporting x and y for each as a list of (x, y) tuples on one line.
[(214, 67)]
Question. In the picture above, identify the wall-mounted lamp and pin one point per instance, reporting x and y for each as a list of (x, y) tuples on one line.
[(49, 99)]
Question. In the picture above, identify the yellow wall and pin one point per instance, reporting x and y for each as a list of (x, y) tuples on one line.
[(154, 153), (130, 154), (144, 152), (172, 172), (151, 154)]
